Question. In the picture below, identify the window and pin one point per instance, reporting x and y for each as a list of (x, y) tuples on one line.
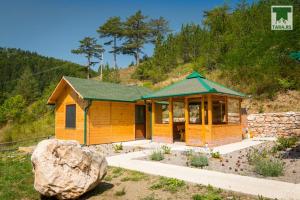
[(162, 113), (71, 116), (140, 114), (178, 112), (218, 111), (195, 113), (233, 111)]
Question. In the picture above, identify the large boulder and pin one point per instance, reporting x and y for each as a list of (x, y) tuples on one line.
[(66, 170)]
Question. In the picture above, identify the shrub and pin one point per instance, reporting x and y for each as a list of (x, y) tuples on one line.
[(211, 194), (268, 167), (256, 154), (286, 142), (157, 155), (168, 184), (120, 192), (166, 149), (215, 154), (199, 161), (118, 147)]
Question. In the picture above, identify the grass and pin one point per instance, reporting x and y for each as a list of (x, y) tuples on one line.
[(199, 161), (118, 171), (121, 192), (168, 184), (211, 194), (157, 155), (166, 149), (134, 176), (16, 180), (118, 147)]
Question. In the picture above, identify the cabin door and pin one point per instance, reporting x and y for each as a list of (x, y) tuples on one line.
[(140, 122)]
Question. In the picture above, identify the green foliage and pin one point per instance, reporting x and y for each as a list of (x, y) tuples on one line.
[(215, 154), (16, 180), (118, 147), (268, 167), (237, 42), (12, 109), (90, 49), (157, 155), (121, 192), (111, 74), (286, 142), (199, 161), (168, 184), (211, 194), (166, 149)]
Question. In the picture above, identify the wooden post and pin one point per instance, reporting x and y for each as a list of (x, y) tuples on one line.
[(202, 111), (240, 102), (186, 117), (208, 136), (153, 117), (226, 109), (171, 117)]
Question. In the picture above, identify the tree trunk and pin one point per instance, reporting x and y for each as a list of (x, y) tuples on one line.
[(88, 68), (137, 57), (115, 54)]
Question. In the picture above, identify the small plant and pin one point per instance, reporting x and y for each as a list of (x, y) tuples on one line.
[(199, 161), (255, 154), (215, 155), (118, 147), (286, 142), (189, 152), (120, 192), (268, 167), (157, 155), (117, 172), (168, 184), (211, 194), (149, 197), (166, 149)]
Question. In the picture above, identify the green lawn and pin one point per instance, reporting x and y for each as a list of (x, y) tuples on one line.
[(16, 177)]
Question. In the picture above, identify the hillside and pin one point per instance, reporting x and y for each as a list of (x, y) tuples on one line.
[(26, 81)]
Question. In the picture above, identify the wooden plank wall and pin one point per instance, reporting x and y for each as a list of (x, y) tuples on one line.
[(61, 132), (111, 122), (225, 134)]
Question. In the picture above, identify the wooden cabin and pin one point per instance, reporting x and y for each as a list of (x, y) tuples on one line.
[(94, 112), (195, 110)]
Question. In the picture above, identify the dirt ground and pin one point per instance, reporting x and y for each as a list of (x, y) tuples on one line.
[(137, 186), (237, 163)]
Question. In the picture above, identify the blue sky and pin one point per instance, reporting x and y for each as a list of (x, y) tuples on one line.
[(54, 27)]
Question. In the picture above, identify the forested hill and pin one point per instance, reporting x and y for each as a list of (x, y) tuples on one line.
[(236, 44), (30, 74)]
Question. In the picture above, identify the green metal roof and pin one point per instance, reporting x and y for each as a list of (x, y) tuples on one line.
[(97, 90), (194, 83)]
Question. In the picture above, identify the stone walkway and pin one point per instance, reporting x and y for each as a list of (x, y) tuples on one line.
[(238, 183)]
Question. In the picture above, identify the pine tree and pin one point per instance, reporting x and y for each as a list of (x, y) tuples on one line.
[(112, 29), (159, 27), (136, 34), (90, 49), (27, 86)]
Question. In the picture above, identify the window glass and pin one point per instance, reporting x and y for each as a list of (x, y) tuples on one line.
[(218, 111), (233, 111), (178, 112), (162, 113), (139, 114), (195, 113), (71, 116)]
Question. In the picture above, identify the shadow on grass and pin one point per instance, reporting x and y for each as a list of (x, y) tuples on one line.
[(99, 189)]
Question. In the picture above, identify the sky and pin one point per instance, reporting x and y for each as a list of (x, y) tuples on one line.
[(54, 27)]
